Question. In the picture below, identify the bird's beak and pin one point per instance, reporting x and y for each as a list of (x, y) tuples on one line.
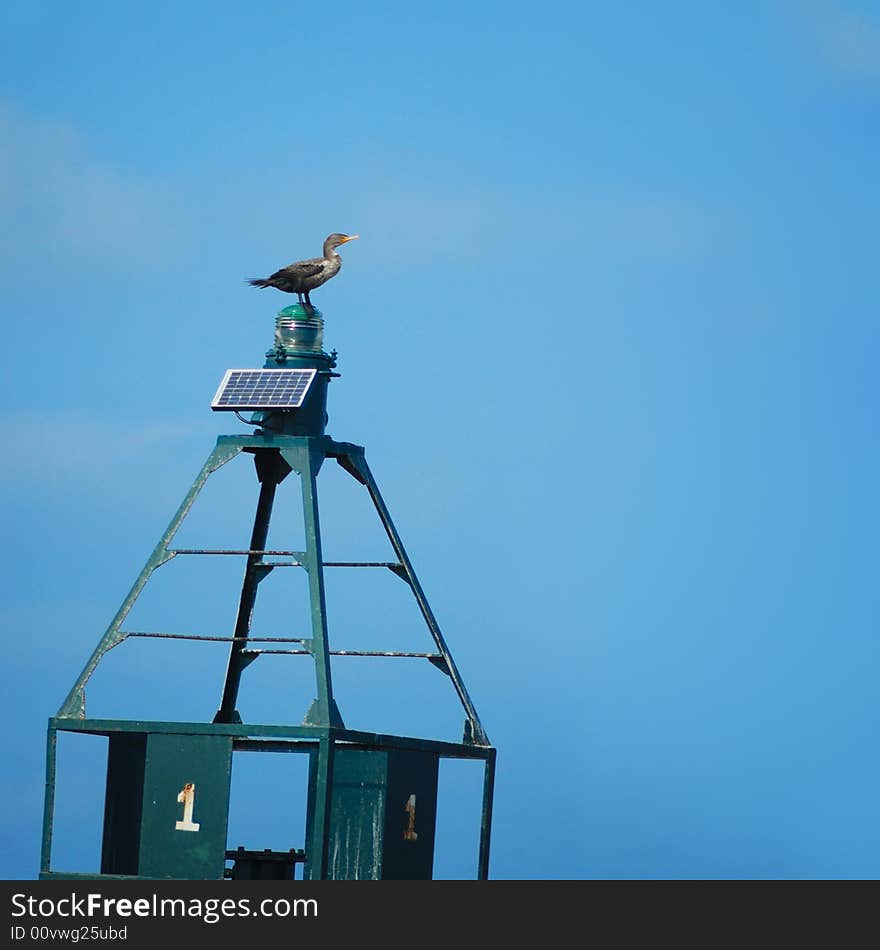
[(351, 237)]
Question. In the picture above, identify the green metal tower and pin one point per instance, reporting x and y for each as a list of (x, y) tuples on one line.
[(372, 798)]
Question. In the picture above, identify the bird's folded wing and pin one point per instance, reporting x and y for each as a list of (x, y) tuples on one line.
[(301, 270)]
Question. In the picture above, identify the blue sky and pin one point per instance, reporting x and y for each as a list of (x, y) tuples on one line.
[(610, 338)]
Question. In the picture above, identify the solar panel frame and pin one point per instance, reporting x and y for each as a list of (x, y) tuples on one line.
[(291, 386)]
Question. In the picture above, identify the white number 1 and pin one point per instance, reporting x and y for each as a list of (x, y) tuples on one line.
[(187, 797)]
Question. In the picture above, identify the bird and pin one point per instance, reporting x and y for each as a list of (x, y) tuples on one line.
[(302, 276)]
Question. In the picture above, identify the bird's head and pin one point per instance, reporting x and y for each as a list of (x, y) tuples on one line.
[(335, 240)]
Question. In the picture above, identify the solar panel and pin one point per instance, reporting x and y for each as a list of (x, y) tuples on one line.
[(263, 389)]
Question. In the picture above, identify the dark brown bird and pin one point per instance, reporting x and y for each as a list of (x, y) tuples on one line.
[(303, 276)]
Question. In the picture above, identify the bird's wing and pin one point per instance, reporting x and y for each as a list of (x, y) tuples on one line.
[(301, 270)]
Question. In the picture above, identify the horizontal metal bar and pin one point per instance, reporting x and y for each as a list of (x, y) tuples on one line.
[(424, 656), (388, 564), (253, 653), (223, 551), (249, 730), (364, 740), (195, 636), (391, 565), (427, 656), (295, 855), (236, 730), (273, 745)]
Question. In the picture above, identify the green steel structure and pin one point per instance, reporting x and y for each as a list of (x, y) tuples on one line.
[(371, 797)]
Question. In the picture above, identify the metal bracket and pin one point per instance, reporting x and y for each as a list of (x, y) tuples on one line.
[(347, 462), (246, 657), (474, 733), (261, 571), (400, 571), (313, 717), (440, 663)]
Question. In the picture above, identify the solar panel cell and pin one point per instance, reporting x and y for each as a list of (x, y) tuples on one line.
[(263, 389)]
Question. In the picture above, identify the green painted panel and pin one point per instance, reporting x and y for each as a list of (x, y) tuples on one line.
[(383, 815), (123, 801), (357, 815), (185, 806), (410, 816)]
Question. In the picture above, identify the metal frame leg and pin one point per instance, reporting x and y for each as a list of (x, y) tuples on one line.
[(307, 462), (320, 800), (353, 461), (486, 822), (271, 470), (74, 706), (49, 802)]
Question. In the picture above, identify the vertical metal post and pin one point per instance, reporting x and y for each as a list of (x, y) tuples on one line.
[(49, 801), (320, 800), (269, 479), (486, 822), (308, 463)]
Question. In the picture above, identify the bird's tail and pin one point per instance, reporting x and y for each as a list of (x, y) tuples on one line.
[(259, 282)]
